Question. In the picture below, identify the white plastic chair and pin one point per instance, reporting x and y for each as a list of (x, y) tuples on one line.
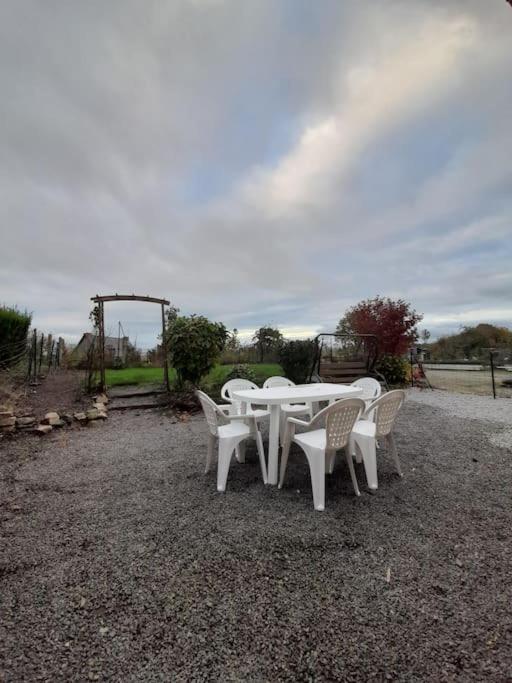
[(242, 385), (320, 445), (377, 422), (287, 409), (230, 431), (371, 390), (370, 386)]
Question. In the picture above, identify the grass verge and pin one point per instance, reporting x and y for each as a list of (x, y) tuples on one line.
[(155, 375)]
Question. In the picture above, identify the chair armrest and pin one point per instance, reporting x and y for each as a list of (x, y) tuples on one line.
[(241, 417), (296, 421), (225, 406)]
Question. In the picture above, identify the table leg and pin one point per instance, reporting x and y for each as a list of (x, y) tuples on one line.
[(273, 444), (240, 449)]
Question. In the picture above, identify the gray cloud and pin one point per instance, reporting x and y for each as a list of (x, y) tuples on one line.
[(257, 161)]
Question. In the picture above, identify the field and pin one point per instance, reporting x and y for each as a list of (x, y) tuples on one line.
[(155, 375), (470, 381)]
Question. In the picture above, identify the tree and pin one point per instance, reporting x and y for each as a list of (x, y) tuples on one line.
[(233, 342), (267, 339), (296, 357), (194, 344), (393, 322), (471, 343)]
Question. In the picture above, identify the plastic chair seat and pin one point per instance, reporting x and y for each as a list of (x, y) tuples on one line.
[(365, 428), (314, 439), (233, 429)]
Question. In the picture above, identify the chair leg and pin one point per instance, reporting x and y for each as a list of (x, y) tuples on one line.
[(284, 460), (209, 453), (240, 452), (261, 454), (350, 463), (226, 448), (282, 426), (330, 458), (353, 450), (316, 460), (394, 454), (367, 448)]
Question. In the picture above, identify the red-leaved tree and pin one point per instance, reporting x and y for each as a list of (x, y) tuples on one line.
[(393, 322)]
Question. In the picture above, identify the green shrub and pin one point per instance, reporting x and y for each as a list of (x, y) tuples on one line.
[(241, 371), (14, 327), (393, 368), (194, 343), (296, 358), (214, 387)]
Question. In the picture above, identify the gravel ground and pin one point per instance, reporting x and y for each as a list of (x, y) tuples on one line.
[(120, 561), (469, 406)]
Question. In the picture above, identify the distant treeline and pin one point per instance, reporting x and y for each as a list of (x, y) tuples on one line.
[(471, 343)]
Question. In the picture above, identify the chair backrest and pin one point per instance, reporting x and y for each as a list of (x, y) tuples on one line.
[(340, 418), (386, 409), (213, 414), (277, 381), (236, 385), (371, 388)]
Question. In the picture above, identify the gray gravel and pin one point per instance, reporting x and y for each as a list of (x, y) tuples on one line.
[(470, 406), (119, 561)]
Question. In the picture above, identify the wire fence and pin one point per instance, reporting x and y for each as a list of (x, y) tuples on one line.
[(488, 372), (31, 359)]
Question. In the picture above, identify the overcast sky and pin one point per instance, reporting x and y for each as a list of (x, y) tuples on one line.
[(256, 161)]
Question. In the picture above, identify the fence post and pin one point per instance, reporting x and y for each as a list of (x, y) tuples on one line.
[(492, 374), (49, 346), (29, 371), (34, 355), (41, 352), (412, 369), (50, 361)]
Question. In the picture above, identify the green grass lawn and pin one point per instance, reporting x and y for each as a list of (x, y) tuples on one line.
[(155, 375)]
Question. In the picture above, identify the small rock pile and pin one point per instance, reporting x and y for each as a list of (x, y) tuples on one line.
[(9, 423), (97, 412)]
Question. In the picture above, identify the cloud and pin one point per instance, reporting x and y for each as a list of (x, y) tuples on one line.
[(255, 162)]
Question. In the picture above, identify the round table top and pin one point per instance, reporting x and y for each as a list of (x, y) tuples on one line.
[(296, 394)]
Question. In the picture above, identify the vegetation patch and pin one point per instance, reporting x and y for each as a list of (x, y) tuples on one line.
[(219, 373)]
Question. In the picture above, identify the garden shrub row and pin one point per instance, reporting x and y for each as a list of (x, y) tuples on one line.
[(14, 327)]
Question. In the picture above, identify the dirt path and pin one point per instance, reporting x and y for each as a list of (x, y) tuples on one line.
[(60, 391)]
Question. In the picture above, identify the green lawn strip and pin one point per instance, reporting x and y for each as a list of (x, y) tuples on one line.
[(155, 375), (136, 376)]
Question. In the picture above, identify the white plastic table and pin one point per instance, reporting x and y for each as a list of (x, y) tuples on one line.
[(274, 397)]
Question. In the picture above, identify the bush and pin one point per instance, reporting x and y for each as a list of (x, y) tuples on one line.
[(14, 327), (213, 388), (194, 343), (241, 371), (297, 358), (393, 368)]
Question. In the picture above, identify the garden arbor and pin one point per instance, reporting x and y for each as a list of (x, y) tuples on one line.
[(100, 301)]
